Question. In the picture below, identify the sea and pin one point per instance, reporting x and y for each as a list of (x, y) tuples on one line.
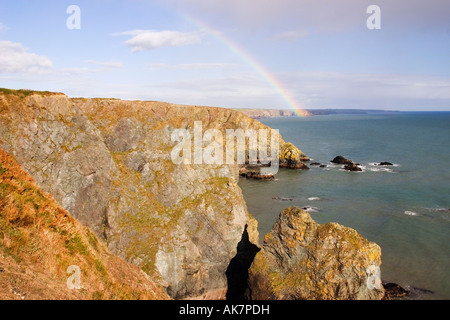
[(404, 208)]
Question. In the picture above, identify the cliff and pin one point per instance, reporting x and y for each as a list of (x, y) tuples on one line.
[(270, 113), (108, 162), (40, 240), (301, 259)]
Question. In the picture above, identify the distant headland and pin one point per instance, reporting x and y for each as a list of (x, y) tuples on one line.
[(272, 113)]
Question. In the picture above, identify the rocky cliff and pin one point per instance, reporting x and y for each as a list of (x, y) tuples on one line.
[(108, 162), (301, 259), (270, 113), (41, 245)]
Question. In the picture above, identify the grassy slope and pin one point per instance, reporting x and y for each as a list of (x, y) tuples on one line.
[(39, 240)]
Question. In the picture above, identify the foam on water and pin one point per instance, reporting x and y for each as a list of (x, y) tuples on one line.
[(410, 213), (439, 209), (310, 209)]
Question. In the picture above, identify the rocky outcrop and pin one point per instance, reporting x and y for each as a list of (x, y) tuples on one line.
[(254, 172), (270, 113), (348, 164), (41, 247), (291, 157), (352, 167), (301, 259), (108, 163), (395, 291), (341, 160)]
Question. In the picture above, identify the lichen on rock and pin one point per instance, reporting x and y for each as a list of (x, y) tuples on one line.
[(301, 259), (108, 163), (291, 157)]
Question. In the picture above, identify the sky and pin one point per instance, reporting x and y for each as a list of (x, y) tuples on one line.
[(299, 54)]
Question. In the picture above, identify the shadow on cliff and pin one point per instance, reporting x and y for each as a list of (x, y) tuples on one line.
[(237, 271)]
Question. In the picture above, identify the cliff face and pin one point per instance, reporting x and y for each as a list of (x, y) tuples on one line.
[(270, 113), (301, 259), (40, 241), (108, 162)]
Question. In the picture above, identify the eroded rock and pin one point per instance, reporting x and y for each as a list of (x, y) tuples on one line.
[(301, 259), (291, 157), (108, 162)]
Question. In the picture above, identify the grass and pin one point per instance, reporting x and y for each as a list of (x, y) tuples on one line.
[(39, 240), (22, 93)]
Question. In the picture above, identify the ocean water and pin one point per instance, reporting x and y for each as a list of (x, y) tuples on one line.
[(403, 208)]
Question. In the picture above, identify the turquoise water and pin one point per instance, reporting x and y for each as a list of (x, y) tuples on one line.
[(404, 208)]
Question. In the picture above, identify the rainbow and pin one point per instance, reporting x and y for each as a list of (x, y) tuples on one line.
[(254, 64)]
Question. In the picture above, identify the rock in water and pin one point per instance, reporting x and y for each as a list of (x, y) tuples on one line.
[(352, 167), (254, 172), (291, 157), (341, 160), (393, 290), (385, 163), (301, 259)]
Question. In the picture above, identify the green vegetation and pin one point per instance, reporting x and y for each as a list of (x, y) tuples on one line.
[(22, 93), (76, 244), (39, 238)]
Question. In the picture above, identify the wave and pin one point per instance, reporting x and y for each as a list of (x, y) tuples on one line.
[(375, 167), (369, 167), (313, 198), (377, 164), (438, 209), (410, 213), (381, 169), (310, 209)]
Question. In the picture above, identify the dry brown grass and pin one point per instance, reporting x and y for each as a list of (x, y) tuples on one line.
[(39, 240)]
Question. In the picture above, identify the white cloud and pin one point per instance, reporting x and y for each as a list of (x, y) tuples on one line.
[(107, 64), (376, 91), (313, 90), (150, 39), (15, 58)]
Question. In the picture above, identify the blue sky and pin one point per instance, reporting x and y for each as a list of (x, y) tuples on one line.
[(237, 54)]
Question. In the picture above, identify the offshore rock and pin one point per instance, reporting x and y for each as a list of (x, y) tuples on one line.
[(352, 167), (301, 259), (341, 160), (291, 157), (254, 172)]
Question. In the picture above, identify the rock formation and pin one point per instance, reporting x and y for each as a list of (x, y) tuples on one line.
[(254, 172), (301, 259), (348, 164), (341, 160), (291, 157), (108, 163), (352, 167), (270, 113), (40, 241)]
